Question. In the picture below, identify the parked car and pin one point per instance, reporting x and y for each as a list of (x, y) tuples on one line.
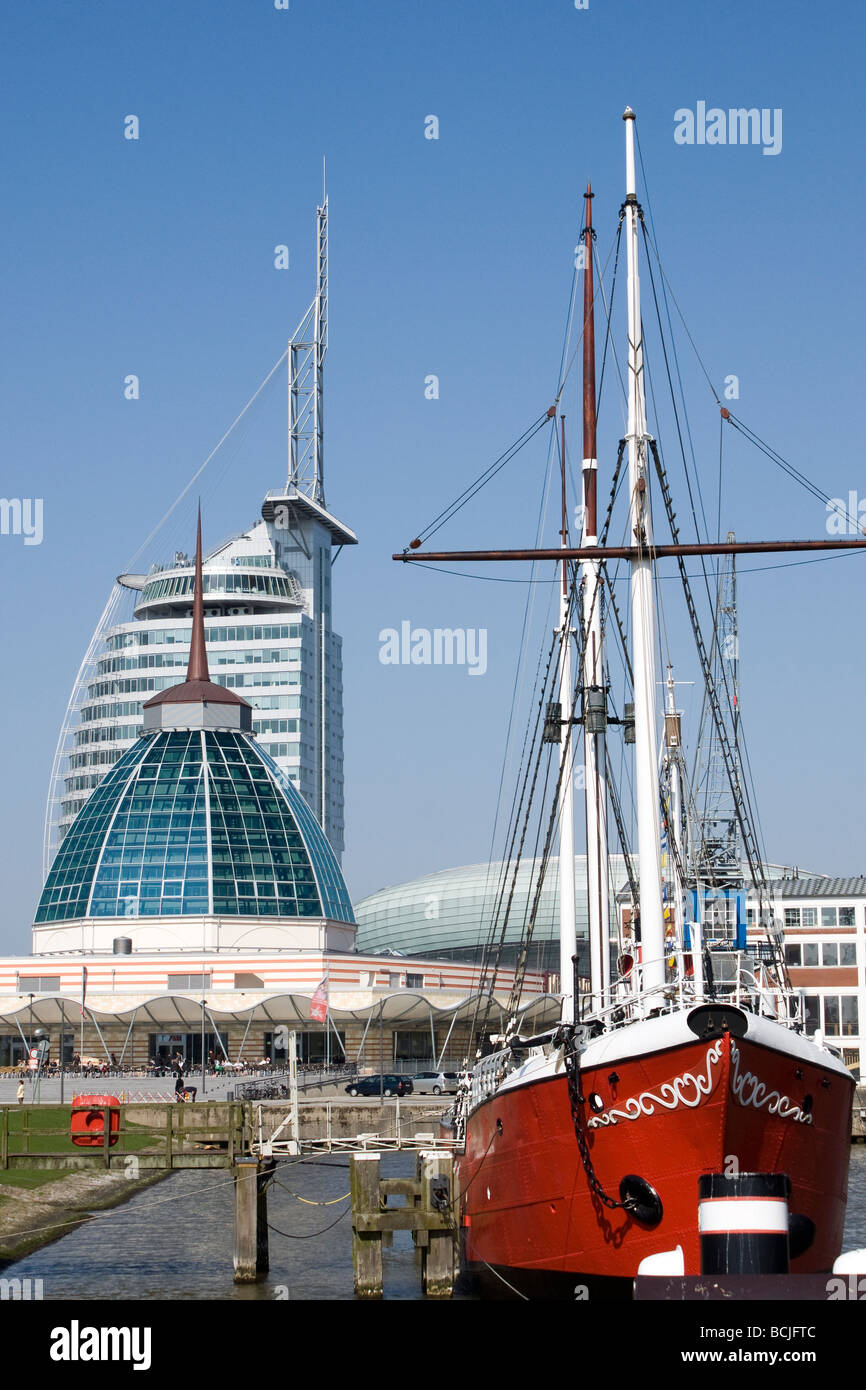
[(387, 1085), (435, 1083)]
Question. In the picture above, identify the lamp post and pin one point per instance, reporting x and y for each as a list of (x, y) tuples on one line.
[(202, 1049), (30, 1029), (42, 1050)]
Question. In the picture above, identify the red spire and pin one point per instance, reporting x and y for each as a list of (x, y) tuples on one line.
[(198, 687), (197, 669)]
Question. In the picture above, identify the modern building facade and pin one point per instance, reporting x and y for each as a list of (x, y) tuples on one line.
[(147, 1006), (268, 617), (267, 596)]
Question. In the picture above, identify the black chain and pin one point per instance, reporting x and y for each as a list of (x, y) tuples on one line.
[(577, 1101)]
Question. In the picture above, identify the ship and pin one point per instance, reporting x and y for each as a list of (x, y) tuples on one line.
[(685, 1052)]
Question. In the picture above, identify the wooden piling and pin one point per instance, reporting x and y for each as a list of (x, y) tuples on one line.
[(251, 1222), (427, 1212), (366, 1243), (439, 1253)]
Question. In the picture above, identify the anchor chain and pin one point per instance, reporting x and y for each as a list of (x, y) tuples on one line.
[(571, 1056)]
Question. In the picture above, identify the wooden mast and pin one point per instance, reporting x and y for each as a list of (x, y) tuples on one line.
[(594, 693)]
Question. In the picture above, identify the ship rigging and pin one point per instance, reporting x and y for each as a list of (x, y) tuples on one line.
[(589, 1137)]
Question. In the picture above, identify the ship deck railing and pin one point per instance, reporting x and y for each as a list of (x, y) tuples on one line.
[(739, 987)]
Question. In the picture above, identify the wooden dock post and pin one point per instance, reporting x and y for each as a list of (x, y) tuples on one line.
[(366, 1243), (427, 1212), (439, 1252), (251, 1221)]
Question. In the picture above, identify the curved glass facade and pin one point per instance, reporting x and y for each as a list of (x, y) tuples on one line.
[(181, 585), (447, 915), (190, 822)]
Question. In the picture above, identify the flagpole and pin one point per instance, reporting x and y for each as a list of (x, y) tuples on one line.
[(81, 1026)]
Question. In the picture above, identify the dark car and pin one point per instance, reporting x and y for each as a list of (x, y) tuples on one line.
[(388, 1085)]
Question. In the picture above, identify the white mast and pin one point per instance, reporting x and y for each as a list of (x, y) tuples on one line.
[(567, 892), (594, 694), (642, 612), (673, 745)]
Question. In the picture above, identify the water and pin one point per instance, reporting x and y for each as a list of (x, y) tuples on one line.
[(174, 1240)]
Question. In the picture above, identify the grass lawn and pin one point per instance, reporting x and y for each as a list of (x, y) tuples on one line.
[(28, 1177), (30, 1131)]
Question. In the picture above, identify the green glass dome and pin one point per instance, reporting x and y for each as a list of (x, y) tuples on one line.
[(195, 821)]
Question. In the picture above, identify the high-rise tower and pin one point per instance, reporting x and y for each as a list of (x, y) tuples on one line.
[(267, 611)]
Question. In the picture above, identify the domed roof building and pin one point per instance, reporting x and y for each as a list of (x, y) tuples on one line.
[(195, 838)]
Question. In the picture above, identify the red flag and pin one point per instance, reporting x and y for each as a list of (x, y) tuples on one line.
[(319, 1002), (83, 987)]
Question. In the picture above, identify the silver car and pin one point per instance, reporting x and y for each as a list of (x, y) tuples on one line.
[(435, 1083)]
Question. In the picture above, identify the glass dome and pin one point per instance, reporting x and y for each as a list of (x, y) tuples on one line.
[(192, 822)]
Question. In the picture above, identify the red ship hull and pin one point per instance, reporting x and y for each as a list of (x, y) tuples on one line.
[(705, 1105)]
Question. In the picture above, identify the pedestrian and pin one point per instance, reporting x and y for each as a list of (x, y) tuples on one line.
[(20, 1091)]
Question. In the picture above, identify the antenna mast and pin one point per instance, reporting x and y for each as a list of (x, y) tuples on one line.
[(718, 847), (307, 349)]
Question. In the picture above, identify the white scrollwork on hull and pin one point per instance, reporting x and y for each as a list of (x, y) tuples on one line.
[(748, 1089), (688, 1090)]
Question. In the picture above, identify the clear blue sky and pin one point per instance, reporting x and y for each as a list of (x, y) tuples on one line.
[(450, 257)]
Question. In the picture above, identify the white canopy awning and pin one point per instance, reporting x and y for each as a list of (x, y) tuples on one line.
[(169, 1009)]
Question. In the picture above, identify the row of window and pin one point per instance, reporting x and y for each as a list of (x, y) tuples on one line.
[(165, 636), (257, 678), (830, 917), (264, 562), (257, 657), (279, 586), (94, 757), (129, 686), (106, 733), (121, 707), (154, 687), (806, 953)]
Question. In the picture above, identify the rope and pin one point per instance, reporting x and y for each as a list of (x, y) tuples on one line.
[(483, 478), (197, 474), (524, 1296), (775, 457), (312, 1235), (307, 1201)]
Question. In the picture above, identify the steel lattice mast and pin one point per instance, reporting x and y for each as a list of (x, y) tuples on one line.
[(718, 843), (307, 349)]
